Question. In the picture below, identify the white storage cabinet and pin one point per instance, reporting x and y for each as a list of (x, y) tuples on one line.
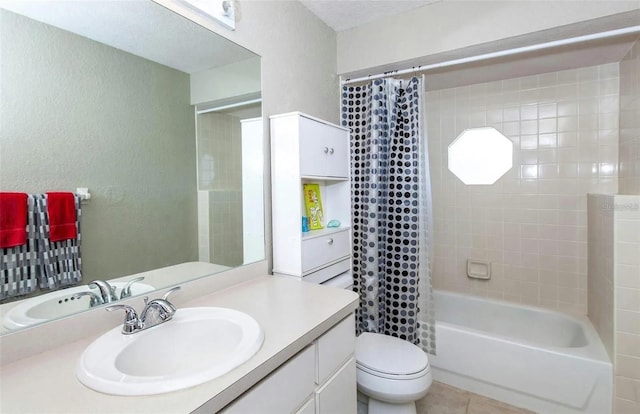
[(305, 149)]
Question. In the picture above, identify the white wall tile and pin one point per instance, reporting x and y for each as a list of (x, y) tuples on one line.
[(628, 299), (628, 344), (627, 276), (627, 304), (627, 366), (628, 253), (629, 122), (626, 389), (533, 220), (623, 406)]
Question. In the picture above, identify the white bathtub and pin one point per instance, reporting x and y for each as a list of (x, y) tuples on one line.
[(529, 357)]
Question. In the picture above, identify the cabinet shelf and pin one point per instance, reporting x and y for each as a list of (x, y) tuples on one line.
[(322, 177), (323, 232)]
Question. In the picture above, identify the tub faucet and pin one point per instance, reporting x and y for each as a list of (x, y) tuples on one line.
[(155, 312), (107, 291)]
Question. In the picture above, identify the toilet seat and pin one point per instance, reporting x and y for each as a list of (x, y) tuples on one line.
[(398, 377), (389, 357)]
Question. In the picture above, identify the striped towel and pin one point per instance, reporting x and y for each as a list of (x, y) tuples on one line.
[(60, 260), (19, 266)]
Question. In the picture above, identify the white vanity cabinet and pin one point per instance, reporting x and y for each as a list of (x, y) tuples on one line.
[(305, 149), (320, 379)]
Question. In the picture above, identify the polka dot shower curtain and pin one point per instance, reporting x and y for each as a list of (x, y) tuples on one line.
[(391, 209)]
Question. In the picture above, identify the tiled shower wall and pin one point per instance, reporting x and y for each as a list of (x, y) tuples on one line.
[(627, 242), (219, 152), (630, 122), (601, 267), (627, 304), (614, 290), (532, 223), (225, 228), (220, 177)]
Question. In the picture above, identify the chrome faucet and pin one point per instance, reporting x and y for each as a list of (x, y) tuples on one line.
[(107, 291), (126, 290), (155, 312)]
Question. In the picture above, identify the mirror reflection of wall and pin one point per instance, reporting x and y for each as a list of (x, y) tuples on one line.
[(78, 113), (84, 106), (225, 147), (225, 97)]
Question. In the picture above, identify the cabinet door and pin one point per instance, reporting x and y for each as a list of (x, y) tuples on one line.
[(339, 393), (338, 157), (282, 391), (334, 347), (323, 149)]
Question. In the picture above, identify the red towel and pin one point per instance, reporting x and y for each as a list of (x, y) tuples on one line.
[(62, 216), (13, 219)]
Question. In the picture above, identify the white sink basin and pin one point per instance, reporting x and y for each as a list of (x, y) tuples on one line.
[(197, 345), (58, 304)]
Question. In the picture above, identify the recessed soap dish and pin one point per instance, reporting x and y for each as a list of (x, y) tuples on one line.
[(478, 269)]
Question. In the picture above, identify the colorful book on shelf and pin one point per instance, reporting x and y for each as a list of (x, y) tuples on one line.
[(313, 204)]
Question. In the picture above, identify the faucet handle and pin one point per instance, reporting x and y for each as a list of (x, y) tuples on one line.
[(126, 291), (131, 320), (166, 295)]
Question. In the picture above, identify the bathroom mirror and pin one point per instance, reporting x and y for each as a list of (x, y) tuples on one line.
[(143, 107)]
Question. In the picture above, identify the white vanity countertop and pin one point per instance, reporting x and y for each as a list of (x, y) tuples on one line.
[(292, 314)]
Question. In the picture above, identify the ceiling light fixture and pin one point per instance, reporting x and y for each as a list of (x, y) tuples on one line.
[(222, 11)]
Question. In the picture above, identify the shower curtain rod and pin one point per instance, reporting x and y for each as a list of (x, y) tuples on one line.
[(508, 52)]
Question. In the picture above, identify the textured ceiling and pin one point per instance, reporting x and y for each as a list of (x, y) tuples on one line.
[(347, 14)]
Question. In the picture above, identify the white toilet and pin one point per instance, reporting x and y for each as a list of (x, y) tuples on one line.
[(392, 372)]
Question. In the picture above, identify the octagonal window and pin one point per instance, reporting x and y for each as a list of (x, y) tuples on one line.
[(480, 156)]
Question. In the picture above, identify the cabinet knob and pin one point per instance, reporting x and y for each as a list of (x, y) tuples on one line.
[(330, 150), (326, 149), (330, 242)]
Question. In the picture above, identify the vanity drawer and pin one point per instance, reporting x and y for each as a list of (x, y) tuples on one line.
[(282, 391), (319, 251), (335, 347)]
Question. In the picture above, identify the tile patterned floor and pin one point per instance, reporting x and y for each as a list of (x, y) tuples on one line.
[(445, 399)]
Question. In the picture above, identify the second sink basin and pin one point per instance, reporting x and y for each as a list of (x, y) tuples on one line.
[(58, 304), (197, 345)]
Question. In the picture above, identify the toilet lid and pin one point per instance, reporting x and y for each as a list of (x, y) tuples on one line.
[(389, 355)]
